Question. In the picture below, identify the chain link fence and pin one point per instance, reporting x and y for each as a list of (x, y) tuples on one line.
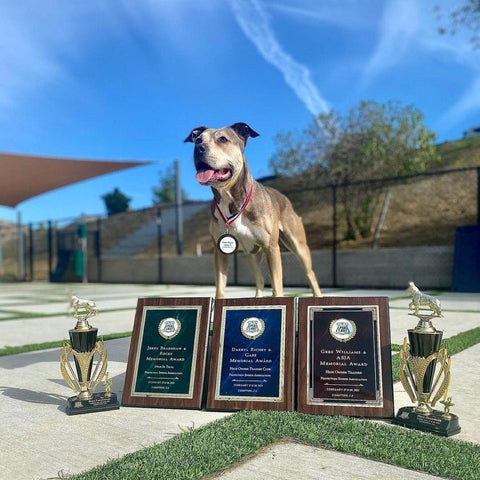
[(396, 212)]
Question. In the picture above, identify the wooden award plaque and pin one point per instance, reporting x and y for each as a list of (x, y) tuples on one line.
[(252, 355), (166, 362), (344, 357)]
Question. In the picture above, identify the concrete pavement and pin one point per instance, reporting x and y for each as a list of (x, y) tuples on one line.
[(38, 440)]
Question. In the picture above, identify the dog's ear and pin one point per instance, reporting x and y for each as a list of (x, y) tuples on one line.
[(194, 134), (244, 131)]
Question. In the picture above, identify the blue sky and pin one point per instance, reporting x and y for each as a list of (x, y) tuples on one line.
[(129, 79)]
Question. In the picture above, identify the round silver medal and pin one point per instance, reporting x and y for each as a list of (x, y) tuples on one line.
[(227, 244)]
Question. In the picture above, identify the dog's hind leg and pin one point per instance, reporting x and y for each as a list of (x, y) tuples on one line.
[(221, 272), (254, 261), (297, 244)]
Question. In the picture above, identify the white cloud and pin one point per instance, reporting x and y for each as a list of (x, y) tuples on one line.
[(25, 61), (458, 49), (398, 26), (41, 39), (254, 22), (468, 103), (37, 39), (408, 27), (347, 14)]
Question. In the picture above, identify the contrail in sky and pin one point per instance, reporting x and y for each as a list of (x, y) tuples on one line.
[(253, 20), (399, 25), (408, 27)]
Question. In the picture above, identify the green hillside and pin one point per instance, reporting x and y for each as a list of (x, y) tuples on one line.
[(460, 153)]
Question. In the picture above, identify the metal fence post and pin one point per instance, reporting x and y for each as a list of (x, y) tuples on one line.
[(98, 248), (1, 254), (50, 250), (30, 250), (334, 239), (159, 243), (178, 209), (20, 248), (82, 230), (478, 195)]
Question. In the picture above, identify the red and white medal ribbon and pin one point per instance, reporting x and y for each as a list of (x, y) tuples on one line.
[(229, 220), (227, 243)]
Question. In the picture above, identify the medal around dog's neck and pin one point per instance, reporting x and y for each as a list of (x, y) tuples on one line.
[(229, 219)]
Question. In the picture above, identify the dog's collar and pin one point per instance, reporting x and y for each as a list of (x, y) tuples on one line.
[(229, 220)]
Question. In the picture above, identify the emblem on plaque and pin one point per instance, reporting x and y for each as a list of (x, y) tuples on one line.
[(83, 363), (425, 370), (169, 328), (252, 327), (343, 329)]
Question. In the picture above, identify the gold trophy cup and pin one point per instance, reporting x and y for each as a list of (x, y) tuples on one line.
[(89, 357), (425, 370)]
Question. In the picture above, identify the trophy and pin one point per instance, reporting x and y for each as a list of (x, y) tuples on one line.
[(425, 371), (89, 357)]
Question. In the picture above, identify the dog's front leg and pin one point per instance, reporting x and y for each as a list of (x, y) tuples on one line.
[(254, 260), (221, 272), (275, 265)]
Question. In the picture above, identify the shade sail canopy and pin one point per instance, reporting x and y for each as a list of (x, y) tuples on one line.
[(23, 176)]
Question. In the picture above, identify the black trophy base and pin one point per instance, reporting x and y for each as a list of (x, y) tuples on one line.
[(433, 423), (100, 402)]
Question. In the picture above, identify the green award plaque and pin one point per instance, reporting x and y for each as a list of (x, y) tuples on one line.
[(166, 362), (344, 357), (252, 355)]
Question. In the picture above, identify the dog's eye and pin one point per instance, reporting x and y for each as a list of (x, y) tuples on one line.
[(222, 139), (198, 140)]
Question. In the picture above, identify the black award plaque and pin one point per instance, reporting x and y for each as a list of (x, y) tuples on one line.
[(344, 361)]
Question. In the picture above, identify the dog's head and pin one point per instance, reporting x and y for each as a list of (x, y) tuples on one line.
[(218, 153)]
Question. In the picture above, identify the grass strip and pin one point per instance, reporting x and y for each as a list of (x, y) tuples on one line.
[(218, 445), (15, 315), (32, 347), (444, 310)]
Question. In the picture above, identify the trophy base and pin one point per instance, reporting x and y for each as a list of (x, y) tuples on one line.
[(434, 423), (99, 402)]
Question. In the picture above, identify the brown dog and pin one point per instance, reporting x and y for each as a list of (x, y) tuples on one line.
[(245, 213)]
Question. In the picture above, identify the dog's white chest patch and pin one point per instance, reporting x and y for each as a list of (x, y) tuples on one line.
[(248, 235)]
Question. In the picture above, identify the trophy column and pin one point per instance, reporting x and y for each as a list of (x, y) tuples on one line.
[(425, 372), (424, 341), (90, 360)]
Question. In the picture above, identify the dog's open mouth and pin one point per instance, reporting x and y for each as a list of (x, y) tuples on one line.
[(206, 174)]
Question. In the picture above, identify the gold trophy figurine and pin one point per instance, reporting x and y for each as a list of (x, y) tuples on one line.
[(89, 357), (425, 370)]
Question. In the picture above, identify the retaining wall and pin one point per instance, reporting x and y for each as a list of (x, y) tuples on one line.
[(430, 267)]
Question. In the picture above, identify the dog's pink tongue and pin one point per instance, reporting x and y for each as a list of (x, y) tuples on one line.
[(203, 176)]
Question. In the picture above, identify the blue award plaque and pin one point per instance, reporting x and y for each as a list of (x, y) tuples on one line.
[(167, 353), (344, 357), (252, 355)]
